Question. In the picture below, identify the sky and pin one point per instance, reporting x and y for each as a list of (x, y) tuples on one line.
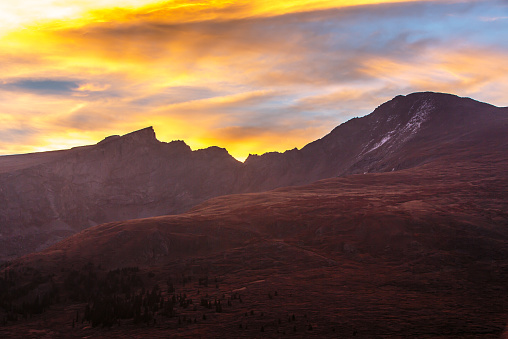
[(250, 76)]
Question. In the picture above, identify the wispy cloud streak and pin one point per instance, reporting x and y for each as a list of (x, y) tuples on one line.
[(249, 76)]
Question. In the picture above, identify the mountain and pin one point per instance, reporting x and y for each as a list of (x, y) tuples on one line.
[(405, 237), (404, 132), (46, 197), (419, 252)]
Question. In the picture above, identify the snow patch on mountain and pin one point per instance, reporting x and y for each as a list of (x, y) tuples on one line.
[(382, 142), (399, 134), (419, 117)]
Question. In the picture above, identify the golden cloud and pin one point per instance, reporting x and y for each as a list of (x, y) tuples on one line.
[(91, 87), (245, 75), (467, 72)]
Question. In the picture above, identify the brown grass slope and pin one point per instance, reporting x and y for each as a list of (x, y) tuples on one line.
[(419, 252)]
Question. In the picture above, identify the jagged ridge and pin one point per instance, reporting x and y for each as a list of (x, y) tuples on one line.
[(135, 175)]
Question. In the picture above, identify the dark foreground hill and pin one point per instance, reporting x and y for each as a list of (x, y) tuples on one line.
[(46, 197), (420, 252)]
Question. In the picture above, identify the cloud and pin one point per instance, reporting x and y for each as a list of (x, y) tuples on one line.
[(57, 87), (250, 76), (495, 18), (177, 94), (15, 134), (41, 86), (468, 72), (91, 87), (341, 103)]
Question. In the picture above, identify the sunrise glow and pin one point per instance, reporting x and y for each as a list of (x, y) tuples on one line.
[(249, 76)]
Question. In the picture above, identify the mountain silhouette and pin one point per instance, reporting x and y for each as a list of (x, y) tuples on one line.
[(405, 236), (48, 196)]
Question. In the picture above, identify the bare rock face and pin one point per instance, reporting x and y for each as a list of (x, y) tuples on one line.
[(45, 197)]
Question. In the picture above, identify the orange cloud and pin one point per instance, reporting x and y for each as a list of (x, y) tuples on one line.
[(91, 87), (468, 72), (184, 11), (251, 76)]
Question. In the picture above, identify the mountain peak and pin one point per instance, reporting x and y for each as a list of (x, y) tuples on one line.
[(146, 134), (215, 153), (411, 103), (444, 110), (143, 136)]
